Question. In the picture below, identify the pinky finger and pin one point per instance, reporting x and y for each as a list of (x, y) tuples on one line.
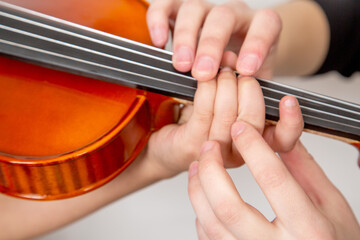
[(283, 136)]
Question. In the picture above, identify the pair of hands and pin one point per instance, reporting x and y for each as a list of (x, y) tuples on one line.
[(218, 102), (227, 121)]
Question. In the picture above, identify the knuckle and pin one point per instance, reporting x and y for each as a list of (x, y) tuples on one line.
[(247, 141), (259, 44), (271, 16), (186, 33), (226, 213), (210, 41), (324, 230), (226, 117), (223, 11), (213, 230), (271, 178), (154, 15), (203, 115), (194, 4)]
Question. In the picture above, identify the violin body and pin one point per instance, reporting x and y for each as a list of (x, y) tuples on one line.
[(62, 134)]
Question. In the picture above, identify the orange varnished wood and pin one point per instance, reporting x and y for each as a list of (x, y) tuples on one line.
[(62, 135), (357, 145)]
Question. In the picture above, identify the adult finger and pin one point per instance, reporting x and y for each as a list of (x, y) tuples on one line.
[(314, 181), (219, 25), (157, 18), (286, 197), (200, 231), (283, 136), (251, 107), (188, 24), (261, 37), (229, 60), (242, 220), (210, 225)]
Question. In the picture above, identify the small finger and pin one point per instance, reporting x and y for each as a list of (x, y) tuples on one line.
[(283, 136), (261, 37)]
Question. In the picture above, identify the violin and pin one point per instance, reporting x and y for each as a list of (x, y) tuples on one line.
[(78, 102)]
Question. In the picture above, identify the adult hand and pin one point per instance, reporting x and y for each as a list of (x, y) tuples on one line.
[(306, 204), (202, 32)]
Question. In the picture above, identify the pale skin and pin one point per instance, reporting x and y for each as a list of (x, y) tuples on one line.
[(306, 203), (280, 40), (199, 124), (266, 40)]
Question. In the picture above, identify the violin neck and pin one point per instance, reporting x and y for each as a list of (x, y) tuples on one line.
[(66, 46)]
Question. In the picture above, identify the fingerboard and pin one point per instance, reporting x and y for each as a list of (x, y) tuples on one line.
[(62, 45)]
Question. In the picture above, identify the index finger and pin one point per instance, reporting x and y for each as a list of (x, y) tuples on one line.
[(285, 195)]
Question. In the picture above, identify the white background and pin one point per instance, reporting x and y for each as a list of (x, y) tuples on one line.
[(163, 211)]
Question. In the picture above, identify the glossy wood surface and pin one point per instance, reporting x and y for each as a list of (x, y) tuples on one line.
[(61, 134), (357, 145)]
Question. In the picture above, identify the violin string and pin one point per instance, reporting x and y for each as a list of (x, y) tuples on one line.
[(130, 50), (120, 47), (263, 87), (265, 97), (135, 63), (63, 22), (93, 52), (309, 100), (80, 36), (306, 116), (88, 62), (308, 109), (64, 56), (131, 62)]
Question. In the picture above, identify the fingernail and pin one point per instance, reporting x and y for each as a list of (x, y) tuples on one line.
[(249, 64), (207, 146), (204, 66), (183, 55), (290, 103), (237, 128), (227, 69), (193, 169), (158, 36)]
